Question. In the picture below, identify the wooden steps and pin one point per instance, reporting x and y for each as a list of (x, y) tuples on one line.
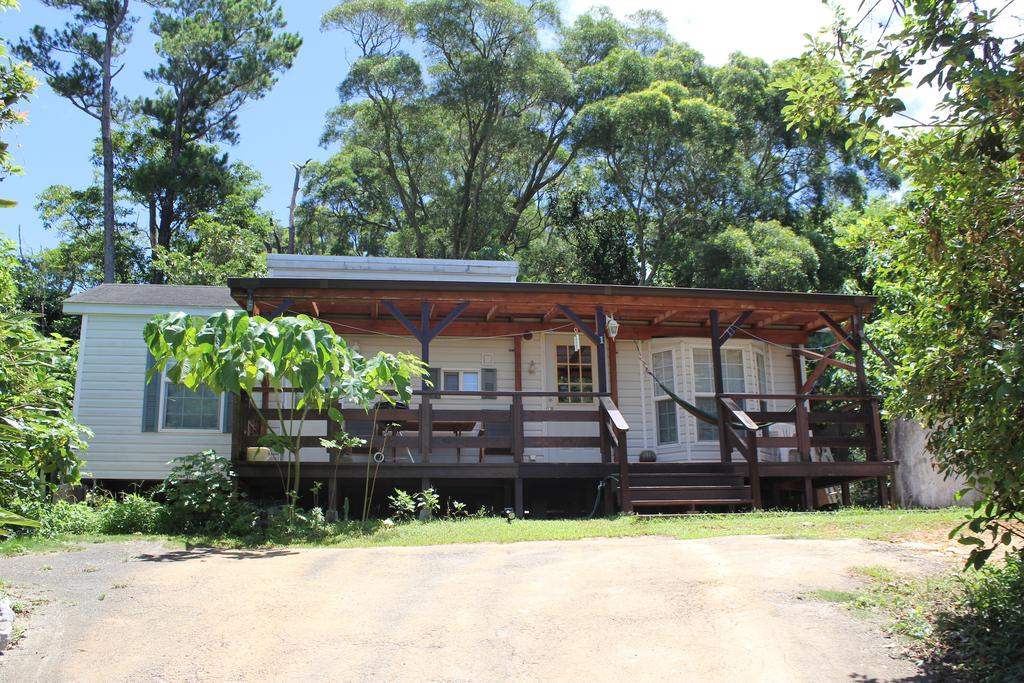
[(689, 485)]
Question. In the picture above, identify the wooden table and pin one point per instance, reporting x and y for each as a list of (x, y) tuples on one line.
[(456, 427)]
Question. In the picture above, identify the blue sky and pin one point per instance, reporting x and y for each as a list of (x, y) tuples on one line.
[(285, 126)]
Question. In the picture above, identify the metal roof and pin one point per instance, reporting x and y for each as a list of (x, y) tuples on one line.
[(239, 285), (203, 296)]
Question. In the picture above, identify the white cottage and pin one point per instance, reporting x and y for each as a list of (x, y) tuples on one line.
[(539, 390)]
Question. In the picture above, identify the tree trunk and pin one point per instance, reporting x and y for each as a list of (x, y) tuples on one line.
[(108, 151), (291, 207)]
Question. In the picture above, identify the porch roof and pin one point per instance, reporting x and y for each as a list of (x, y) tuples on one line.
[(496, 308)]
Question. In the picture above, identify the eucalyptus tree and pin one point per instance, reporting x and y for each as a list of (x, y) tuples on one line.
[(461, 145), (217, 55), (665, 155), (94, 39)]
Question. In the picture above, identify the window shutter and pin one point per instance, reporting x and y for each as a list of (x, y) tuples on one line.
[(489, 380), (229, 412), (151, 397), (434, 375)]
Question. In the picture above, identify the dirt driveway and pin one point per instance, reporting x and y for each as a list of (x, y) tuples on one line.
[(642, 609)]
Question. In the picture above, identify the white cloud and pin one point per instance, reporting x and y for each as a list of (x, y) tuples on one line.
[(770, 29)]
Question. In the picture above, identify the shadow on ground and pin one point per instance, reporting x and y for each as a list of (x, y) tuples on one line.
[(203, 553)]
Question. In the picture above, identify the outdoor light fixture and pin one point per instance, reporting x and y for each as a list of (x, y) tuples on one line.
[(613, 326), (576, 341)]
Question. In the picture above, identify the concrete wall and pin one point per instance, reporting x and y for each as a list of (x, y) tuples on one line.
[(918, 484)]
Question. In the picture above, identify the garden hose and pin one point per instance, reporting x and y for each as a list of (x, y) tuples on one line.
[(600, 489)]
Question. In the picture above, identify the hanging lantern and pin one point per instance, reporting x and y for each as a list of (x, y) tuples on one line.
[(612, 326), (576, 341)]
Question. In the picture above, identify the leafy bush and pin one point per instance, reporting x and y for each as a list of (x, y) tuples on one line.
[(244, 521), (981, 636), (63, 519), (403, 505), (132, 514), (39, 438), (428, 502), (457, 509), (201, 494), (286, 524)]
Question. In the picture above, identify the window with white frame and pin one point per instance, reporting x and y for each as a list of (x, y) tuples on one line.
[(704, 384), (665, 408), (184, 408), (574, 371)]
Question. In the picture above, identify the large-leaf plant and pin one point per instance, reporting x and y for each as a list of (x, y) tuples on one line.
[(237, 353)]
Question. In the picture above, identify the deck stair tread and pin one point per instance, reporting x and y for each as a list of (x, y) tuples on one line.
[(689, 485), (693, 501)]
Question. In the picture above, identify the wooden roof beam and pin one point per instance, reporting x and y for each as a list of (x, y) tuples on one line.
[(663, 316), (551, 314), (492, 312), (765, 322)]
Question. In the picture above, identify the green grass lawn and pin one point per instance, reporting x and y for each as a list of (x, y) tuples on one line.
[(868, 524), (852, 523)]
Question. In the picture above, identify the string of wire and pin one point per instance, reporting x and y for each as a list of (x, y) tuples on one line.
[(562, 327), (826, 347), (447, 337)]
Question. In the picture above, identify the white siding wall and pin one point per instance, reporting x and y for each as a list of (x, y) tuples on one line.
[(112, 370)]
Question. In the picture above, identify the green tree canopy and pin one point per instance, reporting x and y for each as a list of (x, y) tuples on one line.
[(948, 260), (459, 128)]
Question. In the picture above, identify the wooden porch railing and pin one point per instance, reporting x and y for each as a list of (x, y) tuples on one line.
[(746, 444), (613, 428), (499, 429), (859, 410)]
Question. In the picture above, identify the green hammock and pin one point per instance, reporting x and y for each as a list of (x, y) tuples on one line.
[(701, 415), (692, 409)]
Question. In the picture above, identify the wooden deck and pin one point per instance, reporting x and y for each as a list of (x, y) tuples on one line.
[(497, 447)]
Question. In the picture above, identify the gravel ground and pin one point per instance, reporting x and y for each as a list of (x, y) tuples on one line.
[(650, 609)]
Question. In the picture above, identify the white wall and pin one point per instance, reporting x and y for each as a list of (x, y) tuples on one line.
[(108, 400)]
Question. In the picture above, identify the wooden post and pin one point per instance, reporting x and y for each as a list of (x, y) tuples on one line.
[(808, 494), (332, 482), (517, 355), (517, 428), (801, 419), (845, 489), (877, 449), (754, 469), (239, 419), (625, 495), (424, 332), (596, 335), (426, 427), (613, 370), (604, 441), (724, 450), (602, 359), (518, 494)]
